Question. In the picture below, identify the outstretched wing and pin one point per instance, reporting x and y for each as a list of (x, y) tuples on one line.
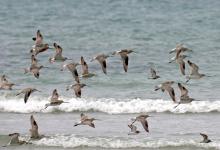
[(145, 124), (27, 95)]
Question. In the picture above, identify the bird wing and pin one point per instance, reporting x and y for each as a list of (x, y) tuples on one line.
[(34, 125), (194, 68), (73, 70), (153, 73), (14, 138), (55, 96), (205, 137), (171, 93), (182, 67), (103, 64), (183, 90), (27, 95), (144, 124), (85, 69), (59, 50), (77, 90), (178, 53), (39, 38), (83, 116), (125, 59), (75, 75)]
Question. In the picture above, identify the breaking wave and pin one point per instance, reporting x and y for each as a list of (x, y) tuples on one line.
[(106, 105), (73, 141)]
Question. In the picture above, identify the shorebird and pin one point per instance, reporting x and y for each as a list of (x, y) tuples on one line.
[(34, 68), (153, 74), (101, 58), (39, 49), (27, 92), (15, 139), (58, 55), (179, 58), (85, 120), (5, 84), (184, 98), (54, 100), (180, 47), (85, 69), (34, 129), (142, 118), (167, 86), (205, 138), (194, 72), (77, 88), (133, 129), (124, 56), (72, 68), (39, 46)]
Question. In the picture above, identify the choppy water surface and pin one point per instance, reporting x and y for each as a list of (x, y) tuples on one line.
[(86, 28)]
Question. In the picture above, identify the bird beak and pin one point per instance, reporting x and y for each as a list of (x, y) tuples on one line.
[(38, 90)]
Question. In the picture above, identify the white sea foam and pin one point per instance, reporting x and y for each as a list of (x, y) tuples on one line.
[(107, 105), (117, 142)]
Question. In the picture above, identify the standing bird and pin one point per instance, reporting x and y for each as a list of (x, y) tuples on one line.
[(85, 120), (124, 56), (34, 129), (77, 88), (194, 72), (184, 98), (205, 138), (54, 101), (15, 139), (27, 92), (166, 86), (101, 58), (133, 129), (153, 74), (72, 68), (85, 69), (58, 55), (142, 118)]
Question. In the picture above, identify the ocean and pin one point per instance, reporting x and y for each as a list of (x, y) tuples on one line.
[(87, 28)]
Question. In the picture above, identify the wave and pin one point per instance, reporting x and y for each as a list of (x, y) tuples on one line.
[(72, 141), (106, 105)]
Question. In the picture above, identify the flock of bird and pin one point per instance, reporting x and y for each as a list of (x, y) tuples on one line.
[(40, 47)]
